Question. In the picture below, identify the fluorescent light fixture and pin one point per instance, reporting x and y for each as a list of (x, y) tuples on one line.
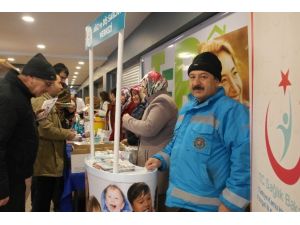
[(76, 73), (78, 67), (186, 55), (81, 63), (74, 77), (28, 19), (41, 46), (11, 59)]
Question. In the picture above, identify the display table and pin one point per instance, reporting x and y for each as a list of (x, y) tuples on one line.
[(73, 182)]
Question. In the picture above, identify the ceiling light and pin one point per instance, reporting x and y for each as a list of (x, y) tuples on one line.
[(28, 19), (76, 73), (11, 59), (78, 67), (74, 77), (81, 63), (41, 46), (71, 87), (186, 55)]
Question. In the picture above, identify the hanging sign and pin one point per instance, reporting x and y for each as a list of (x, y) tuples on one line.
[(104, 27)]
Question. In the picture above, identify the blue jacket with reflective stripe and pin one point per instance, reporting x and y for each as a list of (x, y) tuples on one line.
[(209, 155)]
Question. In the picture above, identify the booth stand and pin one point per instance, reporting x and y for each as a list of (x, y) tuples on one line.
[(108, 189)]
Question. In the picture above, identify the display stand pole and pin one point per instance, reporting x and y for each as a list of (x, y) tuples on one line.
[(118, 101), (91, 94)]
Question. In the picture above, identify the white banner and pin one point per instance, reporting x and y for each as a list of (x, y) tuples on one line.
[(276, 110)]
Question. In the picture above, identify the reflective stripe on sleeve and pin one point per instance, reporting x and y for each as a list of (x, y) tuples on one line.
[(188, 197), (234, 198)]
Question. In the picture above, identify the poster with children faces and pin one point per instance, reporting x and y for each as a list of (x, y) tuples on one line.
[(136, 198), (132, 195)]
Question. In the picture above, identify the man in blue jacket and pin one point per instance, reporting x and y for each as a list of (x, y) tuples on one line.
[(209, 155)]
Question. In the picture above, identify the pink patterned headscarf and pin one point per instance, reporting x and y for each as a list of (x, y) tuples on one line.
[(125, 92), (154, 82)]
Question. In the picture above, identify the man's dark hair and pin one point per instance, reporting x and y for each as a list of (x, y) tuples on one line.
[(136, 190), (60, 67)]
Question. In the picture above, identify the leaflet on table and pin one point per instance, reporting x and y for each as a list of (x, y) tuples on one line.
[(47, 106), (104, 161)]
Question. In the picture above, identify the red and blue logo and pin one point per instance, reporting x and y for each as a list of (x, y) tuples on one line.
[(288, 176)]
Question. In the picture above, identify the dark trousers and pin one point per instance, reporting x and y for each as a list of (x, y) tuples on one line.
[(43, 190), (16, 201)]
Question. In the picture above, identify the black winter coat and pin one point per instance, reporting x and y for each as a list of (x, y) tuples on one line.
[(18, 132)]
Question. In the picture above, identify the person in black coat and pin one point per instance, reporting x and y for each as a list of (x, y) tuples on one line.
[(18, 129)]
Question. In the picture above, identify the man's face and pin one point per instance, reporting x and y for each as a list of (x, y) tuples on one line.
[(56, 88), (39, 86), (114, 200), (63, 76), (143, 203), (231, 80), (202, 84)]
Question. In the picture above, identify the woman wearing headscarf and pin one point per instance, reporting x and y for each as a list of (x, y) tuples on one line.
[(155, 129), (139, 99), (127, 104)]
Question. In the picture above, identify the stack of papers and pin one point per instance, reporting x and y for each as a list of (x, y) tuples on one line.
[(106, 164)]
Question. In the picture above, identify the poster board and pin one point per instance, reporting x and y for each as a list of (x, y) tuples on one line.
[(276, 110), (174, 57)]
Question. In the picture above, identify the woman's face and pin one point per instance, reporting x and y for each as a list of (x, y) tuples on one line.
[(143, 203), (231, 80), (112, 97), (135, 97), (114, 200), (123, 99)]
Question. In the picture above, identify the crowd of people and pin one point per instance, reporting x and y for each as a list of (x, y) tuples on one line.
[(202, 152)]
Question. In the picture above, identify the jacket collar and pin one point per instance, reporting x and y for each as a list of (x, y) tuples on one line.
[(12, 77), (194, 103)]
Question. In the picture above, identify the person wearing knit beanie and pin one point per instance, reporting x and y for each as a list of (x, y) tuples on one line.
[(208, 158), (205, 75)]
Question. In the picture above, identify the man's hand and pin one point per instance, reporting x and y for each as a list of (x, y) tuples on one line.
[(39, 114), (152, 164), (223, 208), (124, 142), (71, 136), (4, 201)]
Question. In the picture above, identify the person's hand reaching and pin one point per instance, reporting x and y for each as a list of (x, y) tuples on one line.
[(152, 164)]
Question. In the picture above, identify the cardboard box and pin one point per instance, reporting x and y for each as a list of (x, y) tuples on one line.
[(82, 150)]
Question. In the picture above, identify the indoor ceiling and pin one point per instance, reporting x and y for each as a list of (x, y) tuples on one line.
[(63, 34)]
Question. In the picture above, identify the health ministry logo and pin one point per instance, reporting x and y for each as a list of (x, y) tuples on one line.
[(288, 176)]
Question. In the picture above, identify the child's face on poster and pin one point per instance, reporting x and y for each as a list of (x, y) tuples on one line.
[(114, 200), (143, 203)]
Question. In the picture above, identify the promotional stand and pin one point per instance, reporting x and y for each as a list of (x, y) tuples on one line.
[(109, 184)]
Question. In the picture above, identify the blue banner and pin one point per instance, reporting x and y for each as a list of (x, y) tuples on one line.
[(104, 27)]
